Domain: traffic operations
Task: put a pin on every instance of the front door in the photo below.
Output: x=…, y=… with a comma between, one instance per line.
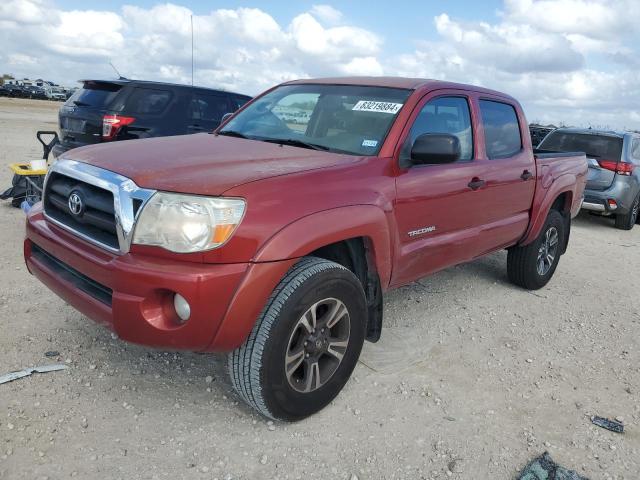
x=440, y=209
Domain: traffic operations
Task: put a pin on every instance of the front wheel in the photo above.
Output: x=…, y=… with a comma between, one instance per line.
x=532, y=266
x=305, y=344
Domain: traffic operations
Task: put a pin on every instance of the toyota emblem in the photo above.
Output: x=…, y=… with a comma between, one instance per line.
x=75, y=203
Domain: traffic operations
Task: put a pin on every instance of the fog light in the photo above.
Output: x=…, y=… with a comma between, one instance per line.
x=183, y=309
x=612, y=204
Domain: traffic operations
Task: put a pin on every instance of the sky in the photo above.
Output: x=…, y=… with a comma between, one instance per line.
x=575, y=62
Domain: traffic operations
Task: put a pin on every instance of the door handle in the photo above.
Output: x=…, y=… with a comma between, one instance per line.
x=526, y=175
x=476, y=183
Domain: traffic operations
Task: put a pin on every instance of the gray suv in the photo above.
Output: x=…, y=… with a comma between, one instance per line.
x=613, y=184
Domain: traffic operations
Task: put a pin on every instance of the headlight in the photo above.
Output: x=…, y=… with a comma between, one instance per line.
x=187, y=223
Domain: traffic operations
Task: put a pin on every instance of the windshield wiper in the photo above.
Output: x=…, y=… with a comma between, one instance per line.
x=81, y=104
x=232, y=133
x=296, y=143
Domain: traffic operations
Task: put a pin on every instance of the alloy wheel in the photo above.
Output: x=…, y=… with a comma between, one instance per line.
x=547, y=251
x=317, y=345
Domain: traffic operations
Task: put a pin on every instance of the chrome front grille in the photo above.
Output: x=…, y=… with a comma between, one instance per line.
x=98, y=205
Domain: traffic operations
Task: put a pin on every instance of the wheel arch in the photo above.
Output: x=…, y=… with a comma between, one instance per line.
x=356, y=237
x=339, y=226
x=561, y=197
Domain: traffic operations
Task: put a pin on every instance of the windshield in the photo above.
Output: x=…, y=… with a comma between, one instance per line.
x=595, y=146
x=339, y=118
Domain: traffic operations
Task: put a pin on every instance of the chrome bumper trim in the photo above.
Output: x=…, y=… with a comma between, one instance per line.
x=593, y=207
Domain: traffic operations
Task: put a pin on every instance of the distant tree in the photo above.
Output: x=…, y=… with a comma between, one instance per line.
x=5, y=76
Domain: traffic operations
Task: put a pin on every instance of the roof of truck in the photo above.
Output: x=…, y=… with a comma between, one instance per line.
x=396, y=82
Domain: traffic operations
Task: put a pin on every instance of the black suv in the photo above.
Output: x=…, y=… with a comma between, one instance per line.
x=109, y=110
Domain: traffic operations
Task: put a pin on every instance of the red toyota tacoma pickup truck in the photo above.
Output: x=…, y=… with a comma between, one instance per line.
x=274, y=237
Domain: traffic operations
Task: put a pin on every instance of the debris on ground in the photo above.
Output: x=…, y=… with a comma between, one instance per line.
x=52, y=353
x=9, y=377
x=612, y=425
x=544, y=468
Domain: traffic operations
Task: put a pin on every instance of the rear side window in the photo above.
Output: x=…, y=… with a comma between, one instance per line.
x=501, y=129
x=209, y=107
x=94, y=94
x=595, y=146
x=147, y=101
x=635, y=150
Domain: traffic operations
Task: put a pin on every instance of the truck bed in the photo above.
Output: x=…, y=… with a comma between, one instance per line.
x=542, y=154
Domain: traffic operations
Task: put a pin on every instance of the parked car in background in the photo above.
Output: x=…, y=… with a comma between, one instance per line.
x=275, y=239
x=111, y=110
x=16, y=91
x=4, y=92
x=613, y=185
x=56, y=93
x=35, y=92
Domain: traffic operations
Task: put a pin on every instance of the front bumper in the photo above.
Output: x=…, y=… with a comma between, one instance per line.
x=132, y=294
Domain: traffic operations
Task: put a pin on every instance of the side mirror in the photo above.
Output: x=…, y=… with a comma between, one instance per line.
x=435, y=148
x=225, y=117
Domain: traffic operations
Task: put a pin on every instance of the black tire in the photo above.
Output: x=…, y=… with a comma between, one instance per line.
x=522, y=262
x=626, y=222
x=257, y=368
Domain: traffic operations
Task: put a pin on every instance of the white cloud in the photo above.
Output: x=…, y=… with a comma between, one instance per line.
x=22, y=11
x=572, y=61
x=326, y=13
x=566, y=60
x=592, y=18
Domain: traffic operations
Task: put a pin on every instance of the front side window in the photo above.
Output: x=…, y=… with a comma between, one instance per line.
x=501, y=129
x=349, y=119
x=443, y=115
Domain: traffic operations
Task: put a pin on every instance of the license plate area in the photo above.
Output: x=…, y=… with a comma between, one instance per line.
x=73, y=125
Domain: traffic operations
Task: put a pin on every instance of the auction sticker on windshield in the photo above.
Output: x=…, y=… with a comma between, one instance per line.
x=371, y=106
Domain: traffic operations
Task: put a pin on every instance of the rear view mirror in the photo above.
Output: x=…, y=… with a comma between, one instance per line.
x=435, y=148
x=226, y=117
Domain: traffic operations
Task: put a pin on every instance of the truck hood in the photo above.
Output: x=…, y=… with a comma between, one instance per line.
x=202, y=164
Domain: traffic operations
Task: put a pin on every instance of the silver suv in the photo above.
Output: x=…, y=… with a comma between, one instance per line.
x=613, y=184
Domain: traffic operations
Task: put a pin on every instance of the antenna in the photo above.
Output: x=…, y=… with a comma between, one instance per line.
x=192, y=50
x=120, y=77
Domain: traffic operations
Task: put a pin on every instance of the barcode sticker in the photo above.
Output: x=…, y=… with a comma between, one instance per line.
x=382, y=107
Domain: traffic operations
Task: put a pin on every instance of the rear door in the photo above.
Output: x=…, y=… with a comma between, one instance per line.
x=150, y=108
x=80, y=118
x=206, y=110
x=509, y=170
x=603, y=153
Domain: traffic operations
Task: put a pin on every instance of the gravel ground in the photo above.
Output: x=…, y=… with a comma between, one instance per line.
x=472, y=378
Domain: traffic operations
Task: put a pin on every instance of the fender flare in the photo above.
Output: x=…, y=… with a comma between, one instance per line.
x=282, y=250
x=563, y=184
x=309, y=233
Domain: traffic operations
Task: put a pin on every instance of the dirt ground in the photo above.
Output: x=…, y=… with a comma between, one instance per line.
x=472, y=378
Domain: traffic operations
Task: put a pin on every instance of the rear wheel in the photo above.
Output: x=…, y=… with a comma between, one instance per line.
x=532, y=266
x=305, y=344
x=626, y=222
